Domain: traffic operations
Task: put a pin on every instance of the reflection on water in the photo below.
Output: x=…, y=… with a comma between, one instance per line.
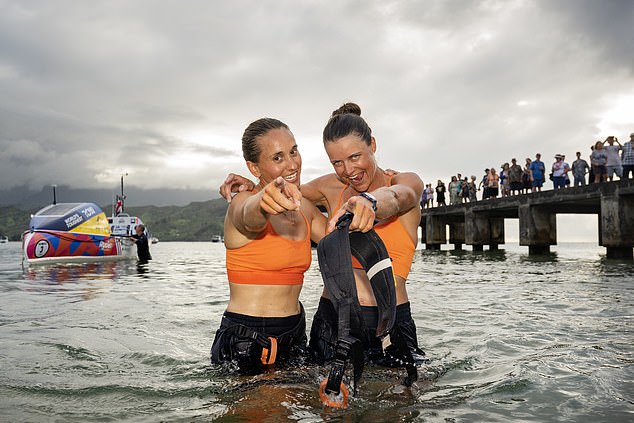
x=142, y=268
x=551, y=257
x=68, y=272
x=511, y=338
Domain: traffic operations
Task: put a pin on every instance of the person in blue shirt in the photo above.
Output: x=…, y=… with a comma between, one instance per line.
x=537, y=173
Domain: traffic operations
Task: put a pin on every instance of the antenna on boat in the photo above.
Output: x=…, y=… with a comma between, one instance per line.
x=54, y=194
x=122, y=195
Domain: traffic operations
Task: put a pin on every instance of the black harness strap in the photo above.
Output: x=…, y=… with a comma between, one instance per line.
x=335, y=264
x=266, y=341
x=369, y=250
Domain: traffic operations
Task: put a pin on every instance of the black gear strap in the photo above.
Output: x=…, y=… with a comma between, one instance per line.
x=335, y=263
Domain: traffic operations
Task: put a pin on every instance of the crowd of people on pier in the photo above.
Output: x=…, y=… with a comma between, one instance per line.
x=608, y=159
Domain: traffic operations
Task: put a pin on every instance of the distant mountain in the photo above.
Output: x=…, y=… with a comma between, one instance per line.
x=197, y=221
x=23, y=197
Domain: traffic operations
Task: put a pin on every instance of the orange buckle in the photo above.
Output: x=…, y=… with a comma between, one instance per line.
x=268, y=357
x=330, y=400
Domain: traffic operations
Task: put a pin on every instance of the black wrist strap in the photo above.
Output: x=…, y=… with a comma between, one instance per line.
x=370, y=198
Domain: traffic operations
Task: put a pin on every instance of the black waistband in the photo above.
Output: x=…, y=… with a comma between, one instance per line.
x=271, y=326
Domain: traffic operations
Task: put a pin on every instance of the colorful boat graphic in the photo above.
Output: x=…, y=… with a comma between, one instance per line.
x=72, y=232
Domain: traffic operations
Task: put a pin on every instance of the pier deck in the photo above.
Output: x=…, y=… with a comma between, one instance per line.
x=482, y=222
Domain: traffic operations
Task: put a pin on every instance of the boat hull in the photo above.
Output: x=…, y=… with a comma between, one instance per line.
x=44, y=246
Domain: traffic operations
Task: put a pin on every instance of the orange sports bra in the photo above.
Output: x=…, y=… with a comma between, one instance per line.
x=398, y=243
x=270, y=259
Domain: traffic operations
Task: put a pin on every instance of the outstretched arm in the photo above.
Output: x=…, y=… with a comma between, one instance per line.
x=400, y=197
x=235, y=183
x=395, y=200
x=250, y=212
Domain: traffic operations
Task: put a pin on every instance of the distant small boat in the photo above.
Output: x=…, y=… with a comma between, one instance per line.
x=3, y=239
x=216, y=238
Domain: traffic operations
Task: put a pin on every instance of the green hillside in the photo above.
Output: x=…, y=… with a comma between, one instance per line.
x=194, y=222
x=14, y=221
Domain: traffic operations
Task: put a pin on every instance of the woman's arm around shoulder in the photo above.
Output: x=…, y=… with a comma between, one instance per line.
x=399, y=198
x=317, y=190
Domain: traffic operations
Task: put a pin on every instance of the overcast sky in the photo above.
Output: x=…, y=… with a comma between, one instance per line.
x=163, y=90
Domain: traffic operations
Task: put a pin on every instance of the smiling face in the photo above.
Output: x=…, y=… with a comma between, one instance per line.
x=279, y=156
x=353, y=161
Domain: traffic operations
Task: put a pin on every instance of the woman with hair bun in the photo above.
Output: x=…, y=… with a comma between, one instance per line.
x=358, y=179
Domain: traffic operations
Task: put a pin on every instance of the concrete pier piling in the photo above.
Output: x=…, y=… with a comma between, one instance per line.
x=616, y=225
x=538, y=228
x=482, y=222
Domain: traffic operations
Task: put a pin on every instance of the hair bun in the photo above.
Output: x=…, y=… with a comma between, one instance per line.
x=351, y=108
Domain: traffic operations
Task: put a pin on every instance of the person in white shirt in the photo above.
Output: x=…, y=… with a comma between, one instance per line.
x=560, y=169
x=614, y=158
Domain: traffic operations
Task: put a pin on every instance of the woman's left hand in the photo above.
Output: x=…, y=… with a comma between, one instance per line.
x=363, y=215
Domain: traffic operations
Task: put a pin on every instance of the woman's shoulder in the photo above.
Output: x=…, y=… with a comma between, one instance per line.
x=410, y=179
x=405, y=176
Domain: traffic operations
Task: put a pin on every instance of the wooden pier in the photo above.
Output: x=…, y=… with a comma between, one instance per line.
x=482, y=222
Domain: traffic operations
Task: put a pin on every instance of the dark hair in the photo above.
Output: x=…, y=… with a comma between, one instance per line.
x=347, y=120
x=250, y=148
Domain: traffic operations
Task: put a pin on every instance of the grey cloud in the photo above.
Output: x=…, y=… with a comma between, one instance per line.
x=604, y=25
x=113, y=84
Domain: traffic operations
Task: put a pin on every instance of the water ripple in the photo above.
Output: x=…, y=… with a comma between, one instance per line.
x=511, y=337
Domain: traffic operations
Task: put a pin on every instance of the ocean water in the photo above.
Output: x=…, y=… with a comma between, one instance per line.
x=510, y=338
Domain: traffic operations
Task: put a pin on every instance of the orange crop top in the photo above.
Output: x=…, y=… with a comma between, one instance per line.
x=270, y=259
x=398, y=243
